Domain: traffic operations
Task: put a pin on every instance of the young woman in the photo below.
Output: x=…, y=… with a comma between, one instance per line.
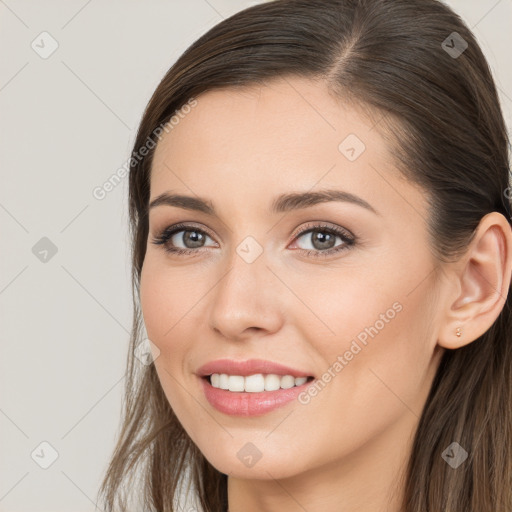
x=322, y=257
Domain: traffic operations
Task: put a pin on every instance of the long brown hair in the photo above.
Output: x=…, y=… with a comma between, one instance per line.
x=418, y=65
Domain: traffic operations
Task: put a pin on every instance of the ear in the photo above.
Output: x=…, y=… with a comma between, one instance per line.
x=481, y=282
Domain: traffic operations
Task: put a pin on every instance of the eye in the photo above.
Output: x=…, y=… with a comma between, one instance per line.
x=321, y=240
x=191, y=237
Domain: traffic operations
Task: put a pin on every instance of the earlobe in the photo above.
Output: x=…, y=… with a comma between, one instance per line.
x=482, y=280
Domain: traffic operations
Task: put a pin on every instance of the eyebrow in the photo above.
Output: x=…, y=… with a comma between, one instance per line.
x=281, y=204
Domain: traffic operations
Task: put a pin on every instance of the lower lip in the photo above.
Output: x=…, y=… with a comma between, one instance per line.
x=249, y=404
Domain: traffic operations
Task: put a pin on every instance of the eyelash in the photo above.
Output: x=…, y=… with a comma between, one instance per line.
x=348, y=239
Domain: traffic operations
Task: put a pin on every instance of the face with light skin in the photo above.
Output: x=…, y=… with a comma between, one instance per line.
x=302, y=301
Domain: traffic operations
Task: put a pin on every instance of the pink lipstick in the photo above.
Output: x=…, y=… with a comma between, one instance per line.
x=251, y=388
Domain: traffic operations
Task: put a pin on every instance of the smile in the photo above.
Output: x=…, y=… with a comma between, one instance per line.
x=236, y=401
x=255, y=383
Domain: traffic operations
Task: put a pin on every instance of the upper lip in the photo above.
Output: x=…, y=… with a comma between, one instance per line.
x=248, y=367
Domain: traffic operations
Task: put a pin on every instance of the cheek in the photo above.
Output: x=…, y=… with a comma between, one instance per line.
x=161, y=307
x=154, y=303
x=167, y=300
x=374, y=338
x=171, y=301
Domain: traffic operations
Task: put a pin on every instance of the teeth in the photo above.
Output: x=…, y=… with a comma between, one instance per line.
x=272, y=382
x=235, y=383
x=255, y=383
x=300, y=380
x=223, y=381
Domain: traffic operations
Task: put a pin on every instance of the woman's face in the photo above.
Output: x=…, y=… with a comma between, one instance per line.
x=349, y=303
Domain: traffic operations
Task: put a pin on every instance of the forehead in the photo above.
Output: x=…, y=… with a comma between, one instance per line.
x=258, y=113
x=250, y=144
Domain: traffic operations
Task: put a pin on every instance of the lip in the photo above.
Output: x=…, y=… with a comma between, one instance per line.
x=249, y=404
x=248, y=367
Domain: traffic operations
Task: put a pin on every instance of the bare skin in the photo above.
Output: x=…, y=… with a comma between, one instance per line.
x=345, y=449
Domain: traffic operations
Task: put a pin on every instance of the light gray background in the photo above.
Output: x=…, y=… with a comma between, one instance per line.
x=67, y=124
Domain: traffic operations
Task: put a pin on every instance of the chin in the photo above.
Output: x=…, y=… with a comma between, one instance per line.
x=247, y=460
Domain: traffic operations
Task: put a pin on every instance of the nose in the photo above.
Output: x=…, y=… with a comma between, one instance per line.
x=246, y=300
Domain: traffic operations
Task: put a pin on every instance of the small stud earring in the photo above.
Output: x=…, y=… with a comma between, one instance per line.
x=458, y=333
